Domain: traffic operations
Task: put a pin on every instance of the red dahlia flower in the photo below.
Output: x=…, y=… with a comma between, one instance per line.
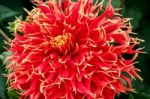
x=72, y=50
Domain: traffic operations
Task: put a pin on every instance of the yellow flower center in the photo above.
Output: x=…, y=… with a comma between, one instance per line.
x=60, y=40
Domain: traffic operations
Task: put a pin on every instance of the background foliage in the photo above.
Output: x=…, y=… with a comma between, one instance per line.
x=139, y=10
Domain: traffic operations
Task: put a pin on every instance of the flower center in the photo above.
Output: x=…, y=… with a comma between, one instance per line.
x=60, y=40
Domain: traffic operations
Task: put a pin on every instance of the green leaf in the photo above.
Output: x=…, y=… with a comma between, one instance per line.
x=116, y=3
x=5, y=12
x=3, y=89
x=13, y=94
x=135, y=14
x=4, y=55
x=130, y=96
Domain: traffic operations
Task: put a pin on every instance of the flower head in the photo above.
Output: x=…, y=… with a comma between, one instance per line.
x=72, y=50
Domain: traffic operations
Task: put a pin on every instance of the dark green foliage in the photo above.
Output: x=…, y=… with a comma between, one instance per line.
x=3, y=91
x=9, y=9
x=138, y=10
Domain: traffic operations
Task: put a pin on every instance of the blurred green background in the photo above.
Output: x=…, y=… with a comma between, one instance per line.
x=139, y=10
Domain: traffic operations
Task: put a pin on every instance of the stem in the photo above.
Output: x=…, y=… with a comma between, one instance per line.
x=5, y=36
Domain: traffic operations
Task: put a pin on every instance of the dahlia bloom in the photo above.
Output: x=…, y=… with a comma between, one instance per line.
x=72, y=50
